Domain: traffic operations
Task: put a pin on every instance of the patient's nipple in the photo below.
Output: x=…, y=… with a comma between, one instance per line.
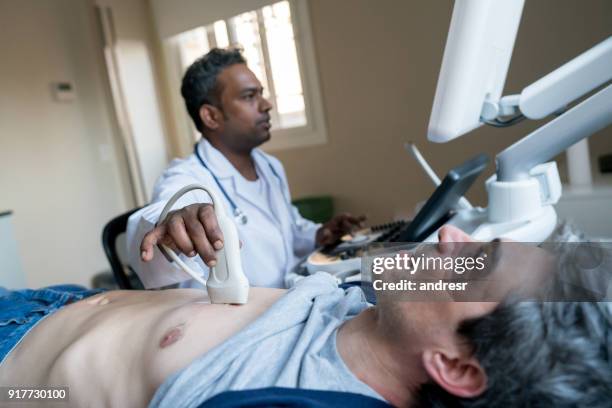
x=172, y=336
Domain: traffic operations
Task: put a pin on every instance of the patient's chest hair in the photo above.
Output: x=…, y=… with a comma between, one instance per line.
x=172, y=335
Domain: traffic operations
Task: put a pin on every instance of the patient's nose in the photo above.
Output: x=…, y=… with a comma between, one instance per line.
x=449, y=233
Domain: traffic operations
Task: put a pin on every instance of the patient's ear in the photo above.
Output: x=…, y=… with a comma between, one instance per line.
x=460, y=376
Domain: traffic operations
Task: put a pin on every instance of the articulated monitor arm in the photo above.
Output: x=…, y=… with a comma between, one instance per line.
x=525, y=187
x=553, y=93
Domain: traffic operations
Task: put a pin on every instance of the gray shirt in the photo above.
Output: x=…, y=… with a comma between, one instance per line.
x=293, y=344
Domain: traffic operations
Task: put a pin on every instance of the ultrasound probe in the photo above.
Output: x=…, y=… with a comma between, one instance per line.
x=227, y=282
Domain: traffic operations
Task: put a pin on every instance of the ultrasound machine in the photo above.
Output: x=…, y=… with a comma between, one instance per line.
x=577, y=97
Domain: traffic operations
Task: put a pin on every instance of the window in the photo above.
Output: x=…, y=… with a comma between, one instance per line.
x=279, y=55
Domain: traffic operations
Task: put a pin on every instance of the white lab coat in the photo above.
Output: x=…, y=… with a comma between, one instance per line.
x=274, y=238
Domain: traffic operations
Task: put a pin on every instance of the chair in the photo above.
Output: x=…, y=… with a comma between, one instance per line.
x=124, y=275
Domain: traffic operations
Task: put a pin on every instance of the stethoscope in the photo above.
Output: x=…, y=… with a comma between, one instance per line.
x=239, y=215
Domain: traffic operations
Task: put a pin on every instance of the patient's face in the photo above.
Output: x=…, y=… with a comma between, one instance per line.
x=511, y=267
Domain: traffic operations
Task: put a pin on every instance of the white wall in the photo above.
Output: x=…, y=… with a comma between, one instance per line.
x=58, y=167
x=139, y=82
x=11, y=275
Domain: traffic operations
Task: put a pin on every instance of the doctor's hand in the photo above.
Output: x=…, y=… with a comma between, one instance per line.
x=334, y=229
x=191, y=230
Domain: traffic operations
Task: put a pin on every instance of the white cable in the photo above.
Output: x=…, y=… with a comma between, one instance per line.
x=414, y=151
x=168, y=251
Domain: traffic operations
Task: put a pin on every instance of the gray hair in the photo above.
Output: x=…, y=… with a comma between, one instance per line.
x=538, y=353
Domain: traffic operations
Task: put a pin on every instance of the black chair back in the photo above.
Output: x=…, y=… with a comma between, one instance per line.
x=112, y=230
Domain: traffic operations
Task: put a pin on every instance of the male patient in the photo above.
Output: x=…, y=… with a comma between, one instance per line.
x=171, y=348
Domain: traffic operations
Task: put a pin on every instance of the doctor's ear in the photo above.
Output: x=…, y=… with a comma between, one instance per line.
x=458, y=375
x=211, y=116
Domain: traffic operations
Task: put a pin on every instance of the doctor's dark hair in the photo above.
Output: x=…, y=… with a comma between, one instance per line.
x=200, y=86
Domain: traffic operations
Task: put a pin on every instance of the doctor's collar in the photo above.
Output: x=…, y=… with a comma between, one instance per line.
x=221, y=166
x=215, y=160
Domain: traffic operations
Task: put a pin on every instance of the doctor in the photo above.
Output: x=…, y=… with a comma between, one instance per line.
x=225, y=101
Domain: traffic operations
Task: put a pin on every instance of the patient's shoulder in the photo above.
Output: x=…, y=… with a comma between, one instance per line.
x=314, y=285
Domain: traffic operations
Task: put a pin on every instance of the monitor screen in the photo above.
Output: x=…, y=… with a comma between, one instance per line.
x=440, y=206
x=475, y=63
